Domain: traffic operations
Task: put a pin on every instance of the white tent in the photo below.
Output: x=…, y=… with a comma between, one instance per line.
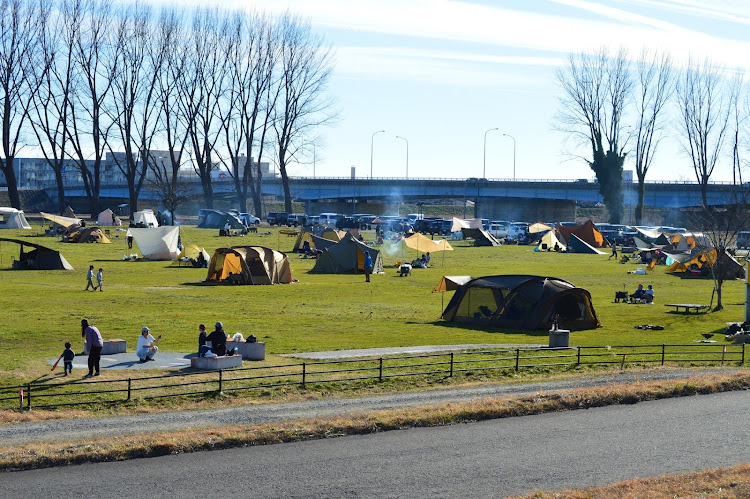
x=11, y=218
x=145, y=217
x=159, y=243
x=107, y=217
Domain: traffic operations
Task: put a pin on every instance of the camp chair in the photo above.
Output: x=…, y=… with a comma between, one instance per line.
x=651, y=265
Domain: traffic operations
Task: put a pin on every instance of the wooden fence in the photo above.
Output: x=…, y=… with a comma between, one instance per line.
x=185, y=384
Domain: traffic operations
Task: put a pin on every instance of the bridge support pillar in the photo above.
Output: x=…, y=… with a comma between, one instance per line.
x=525, y=209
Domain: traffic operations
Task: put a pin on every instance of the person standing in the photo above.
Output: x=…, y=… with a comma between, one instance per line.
x=130, y=239
x=94, y=342
x=99, y=279
x=67, y=356
x=218, y=339
x=614, y=251
x=367, y=267
x=146, y=347
x=90, y=279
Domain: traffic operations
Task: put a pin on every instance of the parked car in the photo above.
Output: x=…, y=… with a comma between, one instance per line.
x=313, y=220
x=517, y=232
x=429, y=225
x=249, y=219
x=364, y=220
x=296, y=219
x=346, y=223
x=499, y=229
x=743, y=240
x=276, y=217
x=329, y=219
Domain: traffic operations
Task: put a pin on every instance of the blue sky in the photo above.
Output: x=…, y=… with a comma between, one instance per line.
x=440, y=73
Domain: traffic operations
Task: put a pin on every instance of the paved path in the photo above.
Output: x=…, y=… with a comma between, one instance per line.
x=495, y=458
x=129, y=361
x=82, y=428
x=377, y=352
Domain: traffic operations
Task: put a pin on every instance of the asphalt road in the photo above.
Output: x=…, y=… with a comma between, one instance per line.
x=487, y=459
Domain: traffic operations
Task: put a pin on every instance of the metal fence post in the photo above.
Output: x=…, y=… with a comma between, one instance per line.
x=129, y=381
x=221, y=380
x=380, y=370
x=28, y=396
x=451, y=374
x=518, y=354
x=663, y=347
x=742, y=362
x=304, y=373
x=578, y=357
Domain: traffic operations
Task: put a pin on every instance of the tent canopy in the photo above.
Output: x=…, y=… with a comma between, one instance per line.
x=468, y=223
x=347, y=257
x=146, y=218
x=158, y=243
x=481, y=237
x=578, y=245
x=522, y=302
x=420, y=242
x=249, y=265
x=60, y=220
x=192, y=250
x=38, y=258
x=451, y=283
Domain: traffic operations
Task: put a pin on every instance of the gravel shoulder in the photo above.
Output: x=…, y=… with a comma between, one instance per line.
x=83, y=428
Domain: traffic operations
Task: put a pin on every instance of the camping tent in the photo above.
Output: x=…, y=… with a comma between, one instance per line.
x=215, y=219
x=578, y=245
x=701, y=261
x=65, y=222
x=249, y=265
x=450, y=283
x=11, y=218
x=192, y=250
x=539, y=227
x=107, y=217
x=145, y=218
x=422, y=243
x=347, y=257
x=550, y=242
x=522, y=302
x=77, y=234
x=469, y=223
x=481, y=237
x=39, y=258
x=587, y=232
x=158, y=243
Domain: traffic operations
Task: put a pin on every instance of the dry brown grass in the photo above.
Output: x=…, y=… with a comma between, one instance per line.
x=48, y=454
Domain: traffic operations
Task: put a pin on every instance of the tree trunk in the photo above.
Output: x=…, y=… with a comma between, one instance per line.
x=60, y=190
x=10, y=179
x=641, y=200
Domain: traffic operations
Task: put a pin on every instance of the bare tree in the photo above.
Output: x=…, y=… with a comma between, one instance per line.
x=20, y=23
x=171, y=189
x=51, y=102
x=654, y=89
x=96, y=65
x=738, y=118
x=135, y=106
x=596, y=89
x=302, y=106
x=704, y=111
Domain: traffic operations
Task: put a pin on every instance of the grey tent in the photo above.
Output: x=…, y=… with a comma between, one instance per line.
x=347, y=257
x=215, y=219
x=522, y=302
x=481, y=237
x=38, y=257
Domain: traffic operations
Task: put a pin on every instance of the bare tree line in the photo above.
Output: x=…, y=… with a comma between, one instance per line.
x=619, y=107
x=83, y=78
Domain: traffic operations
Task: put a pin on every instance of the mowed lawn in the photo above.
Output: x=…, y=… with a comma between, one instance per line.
x=40, y=310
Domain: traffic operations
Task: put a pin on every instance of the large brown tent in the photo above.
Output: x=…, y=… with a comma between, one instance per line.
x=85, y=235
x=522, y=302
x=249, y=265
x=586, y=232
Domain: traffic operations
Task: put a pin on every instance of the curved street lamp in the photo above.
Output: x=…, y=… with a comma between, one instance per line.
x=372, y=144
x=484, y=164
x=407, y=154
x=514, y=154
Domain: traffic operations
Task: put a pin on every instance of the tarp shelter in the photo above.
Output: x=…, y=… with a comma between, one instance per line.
x=315, y=242
x=550, y=242
x=11, y=218
x=587, y=232
x=145, y=218
x=702, y=261
x=65, y=222
x=68, y=212
x=450, y=283
x=192, y=250
x=578, y=245
x=522, y=302
x=77, y=234
x=158, y=243
x=420, y=242
x=648, y=235
x=347, y=257
x=249, y=265
x=539, y=227
x=481, y=237
x=38, y=258
x=108, y=217
x=468, y=223
x=215, y=219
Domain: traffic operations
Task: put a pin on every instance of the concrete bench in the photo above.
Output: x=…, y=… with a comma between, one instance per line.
x=214, y=363
x=249, y=351
x=110, y=347
x=697, y=307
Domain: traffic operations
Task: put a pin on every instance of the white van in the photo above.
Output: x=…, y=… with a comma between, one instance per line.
x=329, y=219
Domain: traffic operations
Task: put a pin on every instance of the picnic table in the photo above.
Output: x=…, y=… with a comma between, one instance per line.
x=687, y=306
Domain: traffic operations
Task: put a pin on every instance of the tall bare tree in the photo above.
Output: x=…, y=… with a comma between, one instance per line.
x=51, y=102
x=302, y=106
x=96, y=64
x=20, y=24
x=704, y=111
x=596, y=89
x=653, y=91
x=135, y=107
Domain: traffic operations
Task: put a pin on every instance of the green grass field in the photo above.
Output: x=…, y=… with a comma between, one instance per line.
x=40, y=310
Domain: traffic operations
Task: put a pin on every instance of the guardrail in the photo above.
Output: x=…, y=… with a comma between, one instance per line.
x=186, y=384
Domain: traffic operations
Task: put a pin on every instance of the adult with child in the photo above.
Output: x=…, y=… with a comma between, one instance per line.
x=94, y=342
x=638, y=294
x=146, y=347
x=67, y=357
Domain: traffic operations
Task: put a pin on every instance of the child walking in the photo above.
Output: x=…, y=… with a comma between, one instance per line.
x=68, y=355
x=90, y=279
x=99, y=279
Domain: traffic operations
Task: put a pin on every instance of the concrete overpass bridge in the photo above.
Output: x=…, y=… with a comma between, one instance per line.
x=536, y=199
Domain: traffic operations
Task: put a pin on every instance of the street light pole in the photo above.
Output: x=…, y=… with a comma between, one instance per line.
x=372, y=145
x=484, y=167
x=514, y=154
x=313, y=144
x=407, y=154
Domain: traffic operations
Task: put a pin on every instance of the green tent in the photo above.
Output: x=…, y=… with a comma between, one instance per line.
x=578, y=245
x=347, y=257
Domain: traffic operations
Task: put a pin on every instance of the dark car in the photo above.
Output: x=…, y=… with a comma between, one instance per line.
x=276, y=217
x=295, y=220
x=429, y=225
x=346, y=223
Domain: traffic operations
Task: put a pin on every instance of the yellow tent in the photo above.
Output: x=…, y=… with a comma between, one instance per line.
x=192, y=250
x=699, y=259
x=422, y=243
x=549, y=242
